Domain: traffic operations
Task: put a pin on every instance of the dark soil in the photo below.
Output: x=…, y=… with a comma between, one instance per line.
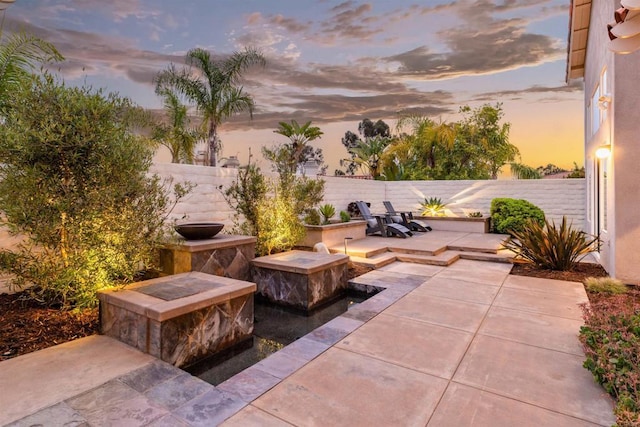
x=578, y=274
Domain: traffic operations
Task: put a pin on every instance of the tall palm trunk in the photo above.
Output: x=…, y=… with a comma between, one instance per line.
x=213, y=144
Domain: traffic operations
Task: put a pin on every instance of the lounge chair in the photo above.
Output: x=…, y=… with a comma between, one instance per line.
x=406, y=219
x=381, y=224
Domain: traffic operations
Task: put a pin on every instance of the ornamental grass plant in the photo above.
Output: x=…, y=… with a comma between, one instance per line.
x=549, y=246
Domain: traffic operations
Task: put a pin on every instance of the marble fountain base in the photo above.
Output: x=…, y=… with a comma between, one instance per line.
x=179, y=319
x=224, y=255
x=300, y=279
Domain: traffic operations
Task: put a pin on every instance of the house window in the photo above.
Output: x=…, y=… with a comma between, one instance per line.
x=595, y=111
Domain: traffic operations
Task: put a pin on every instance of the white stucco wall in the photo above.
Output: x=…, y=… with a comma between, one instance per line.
x=556, y=197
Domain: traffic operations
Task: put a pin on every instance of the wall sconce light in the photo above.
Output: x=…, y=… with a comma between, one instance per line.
x=603, y=151
x=604, y=102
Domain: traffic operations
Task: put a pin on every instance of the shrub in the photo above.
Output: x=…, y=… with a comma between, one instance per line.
x=327, y=211
x=344, y=216
x=74, y=180
x=605, y=285
x=433, y=206
x=510, y=215
x=271, y=209
x=551, y=247
x=312, y=217
x=476, y=214
x=278, y=225
x=244, y=196
x=611, y=339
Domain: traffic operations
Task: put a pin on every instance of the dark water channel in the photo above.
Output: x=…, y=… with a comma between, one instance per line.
x=274, y=328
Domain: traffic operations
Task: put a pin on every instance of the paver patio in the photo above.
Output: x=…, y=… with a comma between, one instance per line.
x=464, y=345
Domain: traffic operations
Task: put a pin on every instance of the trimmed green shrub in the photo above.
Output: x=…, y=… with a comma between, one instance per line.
x=312, y=217
x=344, y=216
x=511, y=215
x=551, y=247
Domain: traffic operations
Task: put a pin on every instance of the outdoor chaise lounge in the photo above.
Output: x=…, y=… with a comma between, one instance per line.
x=406, y=219
x=381, y=223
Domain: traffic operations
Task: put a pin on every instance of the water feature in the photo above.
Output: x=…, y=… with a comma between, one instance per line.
x=274, y=328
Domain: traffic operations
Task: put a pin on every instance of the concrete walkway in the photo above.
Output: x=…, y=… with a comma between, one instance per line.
x=463, y=345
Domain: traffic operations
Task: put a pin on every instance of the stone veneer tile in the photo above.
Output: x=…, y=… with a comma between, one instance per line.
x=209, y=409
x=60, y=414
x=115, y=403
x=177, y=391
x=249, y=384
x=305, y=349
x=168, y=421
x=280, y=364
x=148, y=376
x=252, y=416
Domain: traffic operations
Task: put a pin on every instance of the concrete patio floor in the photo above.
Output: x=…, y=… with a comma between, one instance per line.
x=462, y=345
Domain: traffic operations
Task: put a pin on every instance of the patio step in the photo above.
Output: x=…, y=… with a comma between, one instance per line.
x=375, y=262
x=483, y=256
x=411, y=251
x=443, y=259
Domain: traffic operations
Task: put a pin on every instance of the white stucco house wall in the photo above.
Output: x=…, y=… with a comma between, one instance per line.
x=612, y=120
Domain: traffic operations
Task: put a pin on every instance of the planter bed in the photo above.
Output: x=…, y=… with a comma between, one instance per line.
x=334, y=234
x=462, y=224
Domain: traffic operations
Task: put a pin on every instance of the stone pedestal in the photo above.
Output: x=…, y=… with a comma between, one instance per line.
x=224, y=255
x=179, y=319
x=301, y=279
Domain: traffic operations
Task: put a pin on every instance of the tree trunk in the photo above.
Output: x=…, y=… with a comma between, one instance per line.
x=213, y=144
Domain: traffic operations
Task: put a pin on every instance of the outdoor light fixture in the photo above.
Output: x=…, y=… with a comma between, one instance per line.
x=604, y=102
x=603, y=151
x=345, y=244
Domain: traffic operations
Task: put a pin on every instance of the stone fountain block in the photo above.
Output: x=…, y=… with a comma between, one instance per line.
x=301, y=279
x=224, y=255
x=180, y=319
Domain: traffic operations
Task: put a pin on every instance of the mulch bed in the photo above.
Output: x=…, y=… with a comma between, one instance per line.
x=579, y=273
x=26, y=326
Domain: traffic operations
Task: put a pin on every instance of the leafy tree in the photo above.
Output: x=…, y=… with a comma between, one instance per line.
x=577, y=172
x=214, y=88
x=19, y=54
x=481, y=126
x=369, y=129
x=74, y=181
x=366, y=129
x=176, y=135
x=475, y=147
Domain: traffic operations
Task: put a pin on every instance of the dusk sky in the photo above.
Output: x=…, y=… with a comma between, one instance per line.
x=336, y=62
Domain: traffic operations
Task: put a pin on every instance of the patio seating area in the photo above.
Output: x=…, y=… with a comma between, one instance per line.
x=455, y=343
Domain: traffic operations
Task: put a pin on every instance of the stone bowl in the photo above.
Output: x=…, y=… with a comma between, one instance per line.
x=199, y=230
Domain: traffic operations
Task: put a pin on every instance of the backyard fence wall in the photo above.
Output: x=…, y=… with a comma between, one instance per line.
x=556, y=197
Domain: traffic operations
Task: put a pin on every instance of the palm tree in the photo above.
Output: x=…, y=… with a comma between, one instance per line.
x=176, y=136
x=428, y=135
x=298, y=151
x=214, y=89
x=522, y=171
x=19, y=54
x=368, y=153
